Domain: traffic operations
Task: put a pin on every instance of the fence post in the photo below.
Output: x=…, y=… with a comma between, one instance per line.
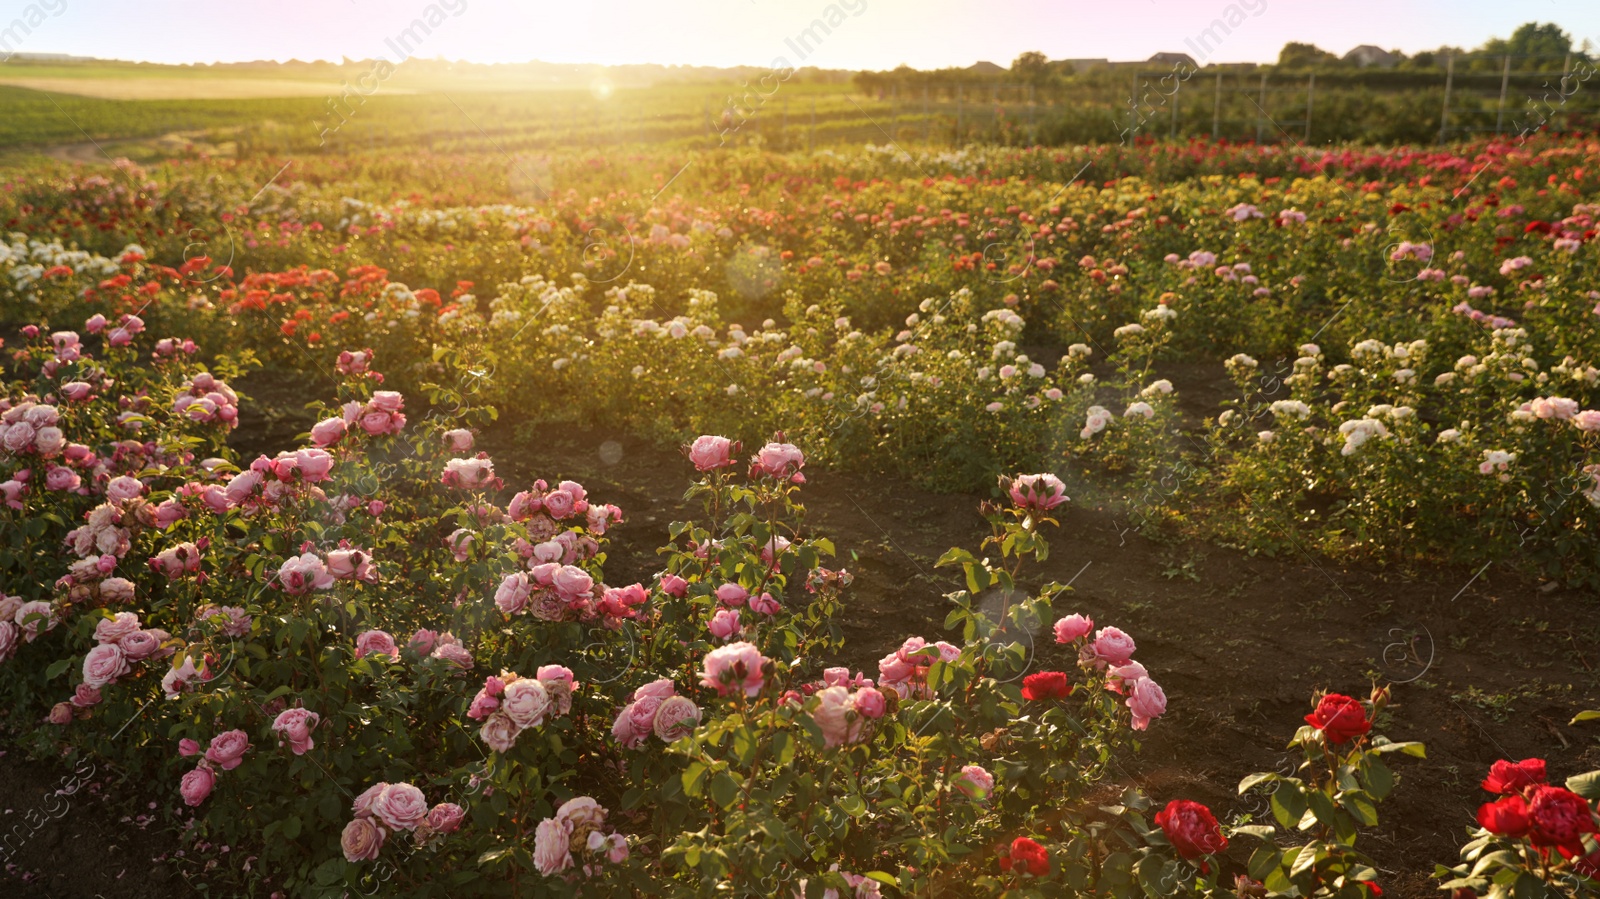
x=1449, y=81
x=1172, y=132
x=1505, y=80
x=1216, y=107
x=927, y=115
x=959, y=104
x=1262, y=106
x=1311, y=94
x=1033, y=130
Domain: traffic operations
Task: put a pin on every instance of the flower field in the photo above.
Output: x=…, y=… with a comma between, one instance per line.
x=367, y=633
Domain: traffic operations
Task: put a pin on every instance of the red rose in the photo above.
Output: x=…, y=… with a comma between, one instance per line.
x=1514, y=777
x=1046, y=685
x=1027, y=857
x=1559, y=817
x=1506, y=817
x=1340, y=718
x=1191, y=829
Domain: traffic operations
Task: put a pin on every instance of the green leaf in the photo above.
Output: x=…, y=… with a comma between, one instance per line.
x=291, y=827
x=881, y=877
x=1585, y=785
x=724, y=789
x=1380, y=781
x=1361, y=807
x=694, y=779
x=1259, y=831
x=1414, y=749
x=56, y=668
x=1256, y=780
x=1288, y=804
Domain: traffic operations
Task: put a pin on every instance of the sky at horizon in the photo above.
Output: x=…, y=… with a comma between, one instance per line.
x=856, y=34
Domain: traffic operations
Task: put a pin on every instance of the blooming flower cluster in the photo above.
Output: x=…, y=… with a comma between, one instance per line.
x=656, y=709
x=386, y=808
x=509, y=703
x=574, y=839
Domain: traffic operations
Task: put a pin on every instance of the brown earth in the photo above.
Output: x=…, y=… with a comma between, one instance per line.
x=1484, y=665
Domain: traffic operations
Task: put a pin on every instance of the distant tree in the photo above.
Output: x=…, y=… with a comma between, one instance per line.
x=1032, y=67
x=1296, y=55
x=1532, y=39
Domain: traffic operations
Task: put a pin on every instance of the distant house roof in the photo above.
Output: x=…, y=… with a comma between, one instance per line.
x=985, y=67
x=1368, y=55
x=1172, y=59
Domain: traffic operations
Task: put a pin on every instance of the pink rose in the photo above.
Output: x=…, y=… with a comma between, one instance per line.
x=1073, y=627
x=400, y=806
x=837, y=718
x=676, y=718
x=870, y=702
x=737, y=666
x=294, y=727
x=123, y=488
x=422, y=641
x=446, y=817
x=525, y=702
x=60, y=713
x=764, y=604
x=458, y=440
x=387, y=401
x=672, y=585
x=1112, y=647
x=347, y=564
x=169, y=512
x=660, y=688
x=732, y=595
x=113, y=629
x=62, y=479
x=188, y=748
x=512, y=595
x=116, y=590
x=499, y=732
x=551, y=847
x=227, y=749
x=362, y=806
x=376, y=642
x=361, y=840
x=782, y=461
x=1146, y=700
x=643, y=713
x=558, y=504
x=303, y=574
x=329, y=431
x=725, y=624
x=624, y=731
x=104, y=664
x=84, y=696
x=1121, y=675
x=313, y=464
x=974, y=782
x=197, y=784
x=454, y=654
x=1038, y=492
x=572, y=582
x=140, y=645
x=1587, y=420
x=709, y=453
